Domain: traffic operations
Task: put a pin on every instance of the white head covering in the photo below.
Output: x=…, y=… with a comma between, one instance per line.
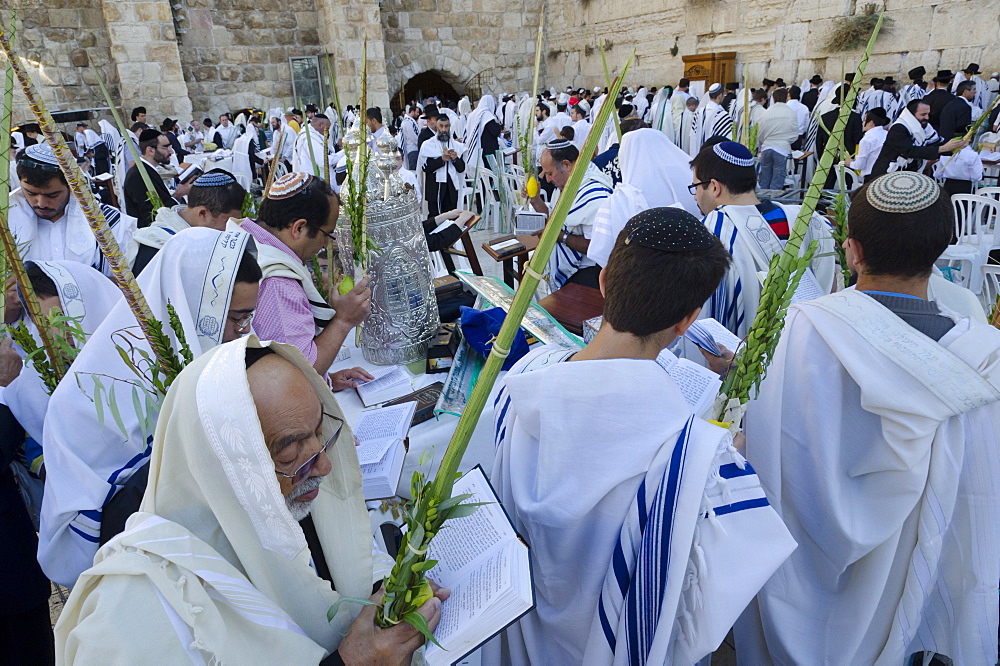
x=655, y=173
x=88, y=454
x=465, y=106
x=213, y=512
x=84, y=294
x=112, y=137
x=485, y=112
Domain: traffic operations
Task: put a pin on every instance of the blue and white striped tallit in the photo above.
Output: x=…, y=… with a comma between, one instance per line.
x=698, y=543
x=595, y=188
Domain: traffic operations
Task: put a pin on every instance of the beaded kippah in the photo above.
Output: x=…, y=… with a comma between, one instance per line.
x=734, y=153
x=715, y=88
x=41, y=152
x=558, y=144
x=903, y=192
x=668, y=229
x=289, y=185
x=215, y=178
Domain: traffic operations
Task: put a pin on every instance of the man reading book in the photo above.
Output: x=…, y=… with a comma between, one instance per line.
x=637, y=512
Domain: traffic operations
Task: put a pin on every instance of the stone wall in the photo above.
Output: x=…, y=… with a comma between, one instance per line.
x=235, y=53
x=344, y=27
x=775, y=38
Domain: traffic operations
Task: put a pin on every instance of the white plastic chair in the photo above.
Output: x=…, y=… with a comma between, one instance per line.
x=976, y=217
x=991, y=286
x=991, y=192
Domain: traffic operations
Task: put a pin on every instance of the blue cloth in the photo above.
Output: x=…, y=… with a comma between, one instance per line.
x=480, y=328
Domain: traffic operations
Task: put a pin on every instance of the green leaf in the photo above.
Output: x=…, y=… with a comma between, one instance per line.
x=420, y=624
x=463, y=510
x=335, y=608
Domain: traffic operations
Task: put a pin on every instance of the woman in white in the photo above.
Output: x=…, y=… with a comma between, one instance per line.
x=655, y=173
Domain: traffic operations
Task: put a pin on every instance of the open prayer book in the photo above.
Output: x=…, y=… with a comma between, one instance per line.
x=807, y=290
x=698, y=385
x=389, y=384
x=486, y=565
x=380, y=453
x=709, y=334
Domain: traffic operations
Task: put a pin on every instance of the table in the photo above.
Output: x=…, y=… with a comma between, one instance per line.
x=513, y=272
x=428, y=440
x=572, y=304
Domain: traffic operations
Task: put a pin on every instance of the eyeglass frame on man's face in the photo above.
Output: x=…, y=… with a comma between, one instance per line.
x=243, y=323
x=307, y=466
x=693, y=187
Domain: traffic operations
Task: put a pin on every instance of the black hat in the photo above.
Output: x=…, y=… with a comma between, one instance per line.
x=889, y=81
x=767, y=82
x=876, y=81
x=149, y=135
x=780, y=82
x=312, y=107
x=31, y=127
x=82, y=125
x=944, y=76
x=916, y=73
x=732, y=86
x=849, y=77
x=816, y=80
x=973, y=68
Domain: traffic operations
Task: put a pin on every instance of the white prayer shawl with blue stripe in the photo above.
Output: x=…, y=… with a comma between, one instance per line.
x=890, y=486
x=564, y=261
x=749, y=238
x=167, y=224
x=699, y=541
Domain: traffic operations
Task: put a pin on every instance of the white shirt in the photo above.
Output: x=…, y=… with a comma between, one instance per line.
x=967, y=165
x=801, y=112
x=868, y=149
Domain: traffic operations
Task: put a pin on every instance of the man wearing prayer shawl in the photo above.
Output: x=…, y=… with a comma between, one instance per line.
x=569, y=260
x=47, y=221
x=711, y=119
x=294, y=222
x=660, y=113
x=888, y=481
x=253, y=526
x=753, y=231
x=912, y=140
x=73, y=290
x=581, y=126
x=92, y=462
x=312, y=132
x=441, y=161
x=215, y=197
x=649, y=532
x=482, y=132
x=225, y=132
x=655, y=173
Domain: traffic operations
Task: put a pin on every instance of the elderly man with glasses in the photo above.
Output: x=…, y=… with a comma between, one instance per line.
x=296, y=220
x=252, y=530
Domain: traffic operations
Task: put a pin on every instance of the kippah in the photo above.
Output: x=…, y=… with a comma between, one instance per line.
x=215, y=178
x=148, y=135
x=734, y=153
x=341, y=165
x=41, y=152
x=289, y=185
x=625, y=110
x=903, y=192
x=715, y=87
x=558, y=144
x=668, y=229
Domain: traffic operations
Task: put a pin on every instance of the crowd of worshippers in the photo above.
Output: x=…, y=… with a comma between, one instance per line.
x=854, y=519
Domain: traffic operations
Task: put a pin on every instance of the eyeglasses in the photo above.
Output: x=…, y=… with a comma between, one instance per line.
x=693, y=187
x=242, y=322
x=303, y=470
x=325, y=233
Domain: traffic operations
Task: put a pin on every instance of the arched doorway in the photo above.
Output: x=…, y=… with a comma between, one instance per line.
x=425, y=84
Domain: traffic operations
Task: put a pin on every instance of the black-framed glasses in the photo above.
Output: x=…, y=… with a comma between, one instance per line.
x=302, y=471
x=693, y=187
x=324, y=232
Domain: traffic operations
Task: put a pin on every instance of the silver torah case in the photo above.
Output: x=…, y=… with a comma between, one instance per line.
x=404, y=314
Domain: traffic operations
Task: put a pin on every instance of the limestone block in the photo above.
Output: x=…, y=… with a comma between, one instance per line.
x=205, y=73
x=791, y=42
x=87, y=39
x=512, y=20
x=954, y=24
x=234, y=55
x=209, y=56
x=60, y=35
x=173, y=89
x=309, y=37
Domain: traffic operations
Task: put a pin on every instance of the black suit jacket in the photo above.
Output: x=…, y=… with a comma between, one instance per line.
x=937, y=99
x=136, y=202
x=810, y=98
x=899, y=143
x=955, y=119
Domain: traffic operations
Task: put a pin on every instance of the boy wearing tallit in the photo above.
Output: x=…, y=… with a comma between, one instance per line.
x=875, y=436
x=215, y=197
x=649, y=533
x=752, y=230
x=252, y=527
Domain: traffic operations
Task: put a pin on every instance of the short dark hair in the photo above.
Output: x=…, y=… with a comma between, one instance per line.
x=759, y=94
x=632, y=124
x=877, y=116
x=545, y=108
x=638, y=306
x=36, y=176
x=136, y=111
x=138, y=126
x=794, y=92
x=207, y=122
x=709, y=166
x=903, y=244
x=683, y=83
x=43, y=285
x=567, y=153
x=312, y=204
x=374, y=113
x=217, y=199
x=965, y=85
x=912, y=105
x=568, y=132
x=248, y=270
x=781, y=95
